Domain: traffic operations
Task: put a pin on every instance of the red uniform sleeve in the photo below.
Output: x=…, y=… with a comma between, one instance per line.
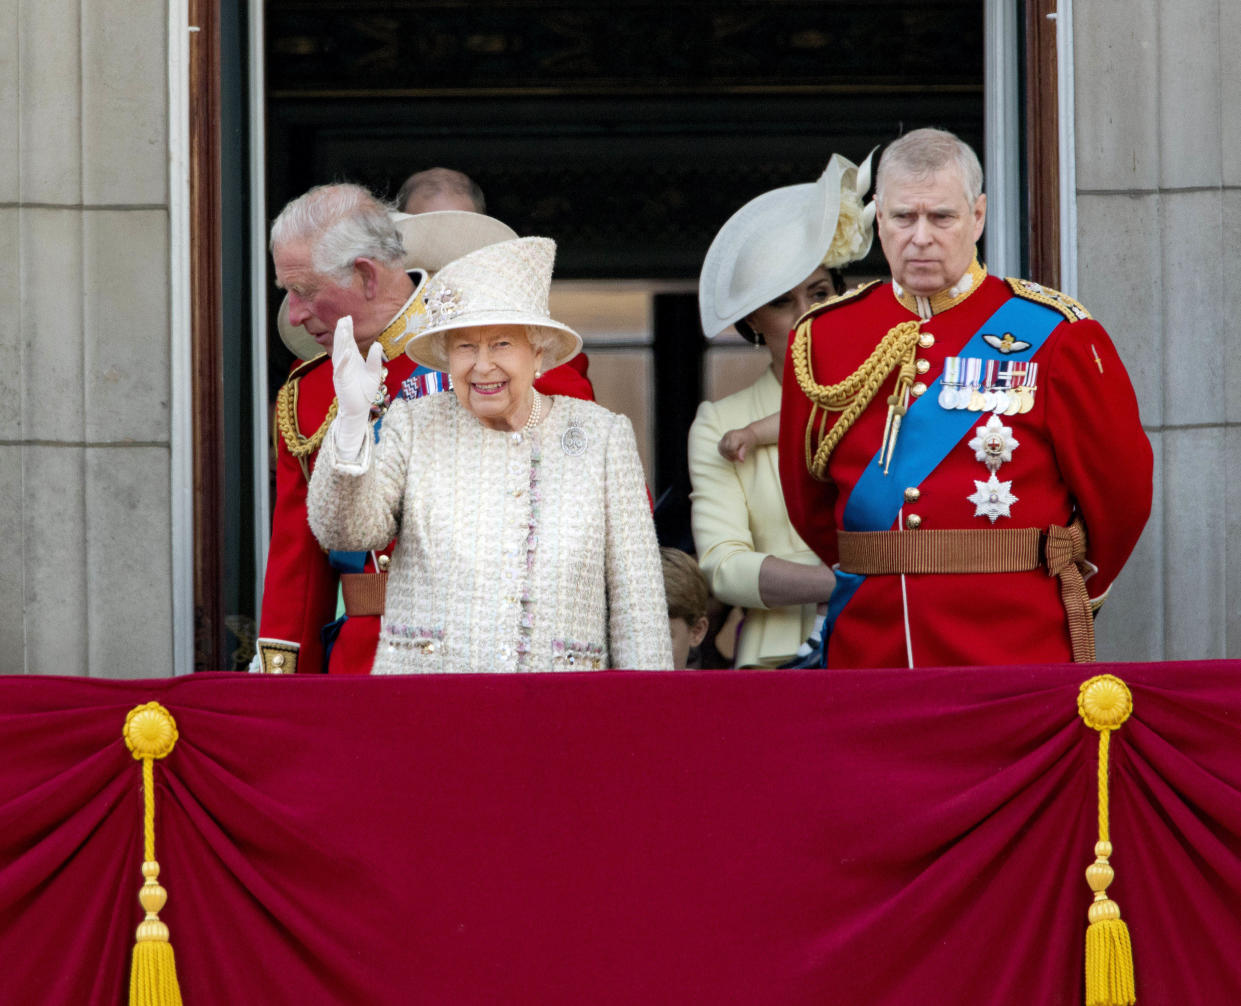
x=299, y=586
x=811, y=504
x=568, y=379
x=1103, y=453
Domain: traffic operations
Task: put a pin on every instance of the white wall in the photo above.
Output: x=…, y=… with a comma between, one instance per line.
x=85, y=571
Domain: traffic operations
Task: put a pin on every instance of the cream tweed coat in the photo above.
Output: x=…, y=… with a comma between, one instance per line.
x=515, y=552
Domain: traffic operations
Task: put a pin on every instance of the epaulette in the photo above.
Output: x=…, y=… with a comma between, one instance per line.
x=300, y=368
x=301, y=447
x=841, y=298
x=1045, y=295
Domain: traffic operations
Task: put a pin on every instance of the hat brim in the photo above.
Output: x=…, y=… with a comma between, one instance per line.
x=793, y=226
x=431, y=241
x=422, y=348
x=434, y=239
x=299, y=341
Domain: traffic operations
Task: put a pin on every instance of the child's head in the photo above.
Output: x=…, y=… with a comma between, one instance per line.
x=687, y=592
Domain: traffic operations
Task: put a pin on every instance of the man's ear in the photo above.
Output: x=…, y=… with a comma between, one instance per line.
x=369, y=271
x=980, y=215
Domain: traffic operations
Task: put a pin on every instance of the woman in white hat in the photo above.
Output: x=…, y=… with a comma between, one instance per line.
x=524, y=538
x=773, y=258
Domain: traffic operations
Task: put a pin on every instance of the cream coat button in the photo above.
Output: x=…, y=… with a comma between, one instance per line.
x=918, y=390
x=912, y=495
x=913, y=522
x=923, y=366
x=926, y=340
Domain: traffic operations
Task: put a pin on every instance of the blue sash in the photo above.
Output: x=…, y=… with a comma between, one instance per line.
x=929, y=432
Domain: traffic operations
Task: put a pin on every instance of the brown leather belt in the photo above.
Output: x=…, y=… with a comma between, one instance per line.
x=1062, y=550
x=364, y=593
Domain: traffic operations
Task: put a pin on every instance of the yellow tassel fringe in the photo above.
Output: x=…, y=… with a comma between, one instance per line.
x=1104, y=703
x=150, y=732
x=1109, y=964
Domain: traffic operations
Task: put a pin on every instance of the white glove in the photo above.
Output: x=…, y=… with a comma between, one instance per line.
x=356, y=382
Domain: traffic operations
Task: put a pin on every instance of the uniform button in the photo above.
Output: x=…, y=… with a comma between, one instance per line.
x=926, y=340
x=912, y=495
x=923, y=366
x=384, y=561
x=918, y=390
x=277, y=663
x=913, y=522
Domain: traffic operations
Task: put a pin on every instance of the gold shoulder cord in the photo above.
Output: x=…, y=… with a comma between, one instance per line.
x=850, y=396
x=286, y=421
x=1073, y=310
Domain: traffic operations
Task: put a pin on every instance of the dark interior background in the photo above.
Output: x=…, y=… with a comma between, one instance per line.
x=627, y=132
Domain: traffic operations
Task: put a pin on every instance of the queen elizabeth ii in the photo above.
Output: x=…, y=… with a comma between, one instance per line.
x=524, y=538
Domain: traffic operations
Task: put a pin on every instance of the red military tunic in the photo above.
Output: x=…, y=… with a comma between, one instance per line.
x=301, y=585
x=1077, y=450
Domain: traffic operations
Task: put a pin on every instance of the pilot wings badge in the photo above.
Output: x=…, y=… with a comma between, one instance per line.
x=1008, y=343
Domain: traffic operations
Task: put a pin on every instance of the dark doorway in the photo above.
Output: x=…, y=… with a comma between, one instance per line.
x=629, y=133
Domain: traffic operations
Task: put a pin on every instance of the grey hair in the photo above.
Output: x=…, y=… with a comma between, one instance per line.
x=343, y=222
x=541, y=338
x=922, y=153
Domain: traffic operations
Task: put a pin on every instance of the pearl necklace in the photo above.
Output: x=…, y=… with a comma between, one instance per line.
x=536, y=413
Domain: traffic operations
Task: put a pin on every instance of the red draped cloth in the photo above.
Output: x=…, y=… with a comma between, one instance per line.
x=776, y=838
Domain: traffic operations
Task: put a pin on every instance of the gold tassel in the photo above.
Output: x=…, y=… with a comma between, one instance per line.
x=1104, y=703
x=150, y=733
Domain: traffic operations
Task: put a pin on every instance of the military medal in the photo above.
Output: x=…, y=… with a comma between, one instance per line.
x=381, y=399
x=419, y=385
x=989, y=399
x=993, y=444
x=1028, y=388
x=993, y=499
x=969, y=397
x=952, y=381
x=1013, y=374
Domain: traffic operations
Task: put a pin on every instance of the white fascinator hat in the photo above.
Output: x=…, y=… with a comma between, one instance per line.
x=502, y=284
x=777, y=239
x=431, y=241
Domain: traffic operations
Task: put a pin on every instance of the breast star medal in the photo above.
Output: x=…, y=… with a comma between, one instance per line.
x=994, y=444
x=993, y=499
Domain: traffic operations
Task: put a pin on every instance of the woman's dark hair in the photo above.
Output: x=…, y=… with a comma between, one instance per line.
x=748, y=332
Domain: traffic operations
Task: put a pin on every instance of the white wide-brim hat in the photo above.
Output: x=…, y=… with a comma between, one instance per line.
x=502, y=284
x=776, y=240
x=431, y=241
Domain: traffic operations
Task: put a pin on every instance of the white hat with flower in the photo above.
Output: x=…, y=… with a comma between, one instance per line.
x=779, y=238
x=503, y=284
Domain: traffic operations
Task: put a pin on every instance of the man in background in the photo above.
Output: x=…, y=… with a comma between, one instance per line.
x=440, y=189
